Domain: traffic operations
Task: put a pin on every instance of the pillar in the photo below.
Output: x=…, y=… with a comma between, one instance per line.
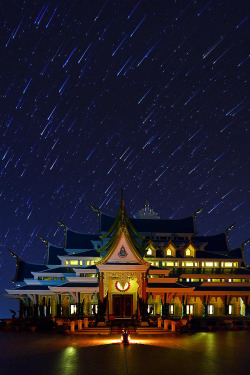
x=48, y=307
x=72, y=326
x=59, y=305
x=86, y=322
x=166, y=308
x=166, y=323
x=78, y=306
x=173, y=326
x=29, y=310
x=101, y=287
x=35, y=306
x=144, y=285
x=79, y=324
x=205, y=309
x=247, y=309
x=21, y=309
x=226, y=308
x=159, y=322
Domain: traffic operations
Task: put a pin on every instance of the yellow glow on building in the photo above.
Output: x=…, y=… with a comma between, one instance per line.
x=74, y=262
x=168, y=264
x=229, y=264
x=187, y=264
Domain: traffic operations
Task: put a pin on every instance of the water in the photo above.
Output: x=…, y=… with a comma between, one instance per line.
x=200, y=353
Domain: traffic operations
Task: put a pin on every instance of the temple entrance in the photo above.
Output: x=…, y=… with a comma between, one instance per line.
x=123, y=305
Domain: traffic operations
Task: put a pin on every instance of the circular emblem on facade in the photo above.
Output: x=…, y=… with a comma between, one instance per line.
x=122, y=253
x=122, y=288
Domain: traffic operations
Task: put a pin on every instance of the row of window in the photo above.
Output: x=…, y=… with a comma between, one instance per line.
x=88, y=275
x=76, y=262
x=171, y=253
x=215, y=280
x=188, y=280
x=46, y=278
x=93, y=307
x=194, y=264
x=189, y=309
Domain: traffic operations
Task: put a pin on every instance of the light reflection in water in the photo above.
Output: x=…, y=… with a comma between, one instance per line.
x=69, y=361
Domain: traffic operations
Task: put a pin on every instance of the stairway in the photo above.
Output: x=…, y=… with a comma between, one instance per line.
x=150, y=330
x=94, y=331
x=117, y=327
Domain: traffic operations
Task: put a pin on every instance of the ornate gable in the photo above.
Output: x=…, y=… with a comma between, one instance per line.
x=122, y=250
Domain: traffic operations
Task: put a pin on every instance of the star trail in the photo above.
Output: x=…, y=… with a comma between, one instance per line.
x=151, y=96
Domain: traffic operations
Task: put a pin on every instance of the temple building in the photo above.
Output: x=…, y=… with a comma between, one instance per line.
x=136, y=268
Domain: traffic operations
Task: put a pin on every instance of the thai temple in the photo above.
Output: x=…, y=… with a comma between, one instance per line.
x=136, y=268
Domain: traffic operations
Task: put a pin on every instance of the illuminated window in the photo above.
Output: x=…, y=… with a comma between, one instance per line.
x=188, y=252
x=235, y=264
x=230, y=309
x=92, y=262
x=47, y=278
x=188, y=264
x=169, y=264
x=72, y=309
x=195, y=280
x=209, y=264
x=94, y=309
x=66, y=262
x=169, y=252
x=209, y=280
x=227, y=264
x=80, y=262
x=216, y=280
x=176, y=264
x=74, y=262
x=149, y=252
x=236, y=280
x=90, y=275
x=210, y=309
x=62, y=278
x=189, y=309
x=151, y=309
x=88, y=263
x=229, y=280
x=54, y=278
x=171, y=309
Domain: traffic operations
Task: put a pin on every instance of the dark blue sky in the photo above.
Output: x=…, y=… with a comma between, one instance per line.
x=98, y=95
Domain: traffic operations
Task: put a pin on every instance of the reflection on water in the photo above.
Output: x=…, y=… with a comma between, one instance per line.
x=68, y=361
x=198, y=353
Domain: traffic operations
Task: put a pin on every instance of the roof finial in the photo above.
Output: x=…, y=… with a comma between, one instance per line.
x=43, y=239
x=14, y=254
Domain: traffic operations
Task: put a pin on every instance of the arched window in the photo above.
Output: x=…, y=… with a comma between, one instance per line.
x=188, y=253
x=169, y=252
x=149, y=252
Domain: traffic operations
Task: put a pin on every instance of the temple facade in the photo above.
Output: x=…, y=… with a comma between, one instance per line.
x=136, y=268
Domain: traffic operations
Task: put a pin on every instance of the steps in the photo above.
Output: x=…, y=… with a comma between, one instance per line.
x=94, y=331
x=116, y=330
x=150, y=331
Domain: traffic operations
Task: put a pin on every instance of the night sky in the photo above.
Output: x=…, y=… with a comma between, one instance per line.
x=150, y=96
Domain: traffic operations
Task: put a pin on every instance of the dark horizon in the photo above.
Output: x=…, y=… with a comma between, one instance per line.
x=102, y=95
